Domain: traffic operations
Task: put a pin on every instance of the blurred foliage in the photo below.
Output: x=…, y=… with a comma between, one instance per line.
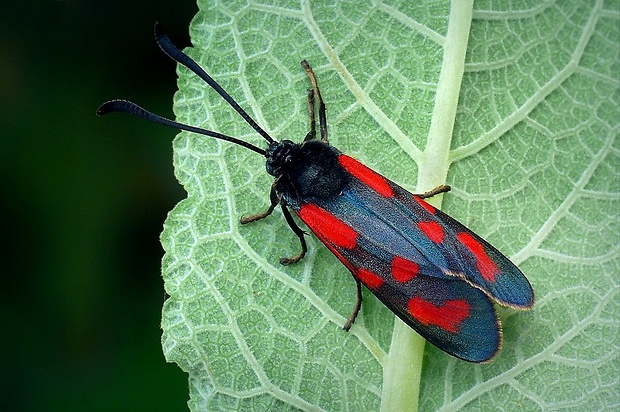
x=84, y=199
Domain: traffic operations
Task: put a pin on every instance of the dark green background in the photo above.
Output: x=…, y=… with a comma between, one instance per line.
x=83, y=202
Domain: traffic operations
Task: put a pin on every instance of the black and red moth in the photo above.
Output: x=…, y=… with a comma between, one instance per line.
x=436, y=275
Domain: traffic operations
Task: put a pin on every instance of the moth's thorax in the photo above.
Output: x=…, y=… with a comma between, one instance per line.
x=305, y=172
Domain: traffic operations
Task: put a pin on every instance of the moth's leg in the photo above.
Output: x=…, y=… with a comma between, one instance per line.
x=300, y=234
x=317, y=96
x=312, y=133
x=274, y=202
x=435, y=191
x=356, y=308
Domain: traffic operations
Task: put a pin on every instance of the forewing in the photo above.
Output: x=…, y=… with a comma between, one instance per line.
x=468, y=255
x=446, y=311
x=423, y=234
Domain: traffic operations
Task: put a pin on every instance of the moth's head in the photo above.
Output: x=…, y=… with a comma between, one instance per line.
x=279, y=156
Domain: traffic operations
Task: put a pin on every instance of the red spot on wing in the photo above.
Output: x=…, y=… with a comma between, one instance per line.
x=448, y=316
x=328, y=226
x=487, y=268
x=365, y=174
x=404, y=270
x=424, y=204
x=368, y=278
x=433, y=230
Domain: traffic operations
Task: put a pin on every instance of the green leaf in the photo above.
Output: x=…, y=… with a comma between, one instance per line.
x=524, y=126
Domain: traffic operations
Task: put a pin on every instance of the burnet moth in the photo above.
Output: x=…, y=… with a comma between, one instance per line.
x=436, y=275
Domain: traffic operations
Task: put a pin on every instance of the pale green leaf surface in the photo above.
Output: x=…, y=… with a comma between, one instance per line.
x=531, y=152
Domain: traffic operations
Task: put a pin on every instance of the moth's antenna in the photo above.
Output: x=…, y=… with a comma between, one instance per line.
x=175, y=54
x=125, y=106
